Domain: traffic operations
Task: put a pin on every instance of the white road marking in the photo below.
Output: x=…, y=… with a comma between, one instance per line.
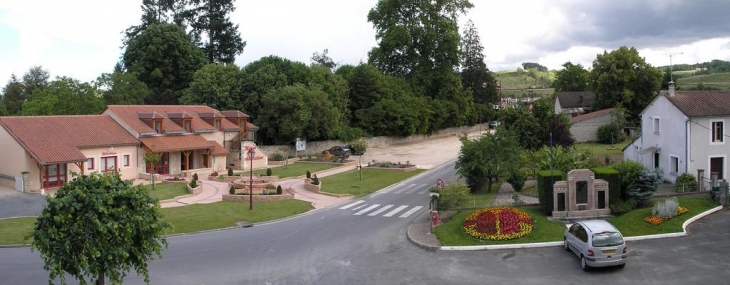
x=351, y=204
x=410, y=212
x=366, y=209
x=359, y=207
x=413, y=190
x=383, y=209
x=391, y=213
x=404, y=188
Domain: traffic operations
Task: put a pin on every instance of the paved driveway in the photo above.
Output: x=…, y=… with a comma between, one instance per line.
x=16, y=204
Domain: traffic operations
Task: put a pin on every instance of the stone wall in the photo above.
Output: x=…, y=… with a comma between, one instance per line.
x=587, y=131
x=316, y=147
x=258, y=198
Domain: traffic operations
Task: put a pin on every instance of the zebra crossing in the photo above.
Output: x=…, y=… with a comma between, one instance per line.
x=360, y=208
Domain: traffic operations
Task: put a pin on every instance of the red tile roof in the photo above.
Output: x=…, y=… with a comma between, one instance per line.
x=58, y=139
x=590, y=115
x=712, y=103
x=218, y=149
x=176, y=143
x=129, y=114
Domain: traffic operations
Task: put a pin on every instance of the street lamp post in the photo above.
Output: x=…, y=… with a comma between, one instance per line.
x=251, y=154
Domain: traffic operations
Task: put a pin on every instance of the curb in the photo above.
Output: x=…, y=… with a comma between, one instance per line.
x=560, y=243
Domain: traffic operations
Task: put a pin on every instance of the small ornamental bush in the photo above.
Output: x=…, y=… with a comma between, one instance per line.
x=517, y=179
x=277, y=157
x=270, y=186
x=195, y=176
x=194, y=183
x=268, y=172
x=309, y=175
x=666, y=209
x=278, y=189
x=610, y=133
x=451, y=195
x=498, y=223
x=315, y=181
x=232, y=190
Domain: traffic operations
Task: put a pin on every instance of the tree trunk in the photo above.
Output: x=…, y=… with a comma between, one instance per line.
x=100, y=280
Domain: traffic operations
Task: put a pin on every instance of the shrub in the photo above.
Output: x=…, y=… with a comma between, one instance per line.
x=609, y=134
x=545, y=189
x=268, y=172
x=277, y=157
x=194, y=183
x=309, y=175
x=315, y=181
x=666, y=209
x=645, y=186
x=628, y=172
x=230, y=171
x=451, y=195
x=232, y=190
x=621, y=207
x=278, y=189
x=685, y=183
x=685, y=178
x=195, y=176
x=517, y=179
x=270, y=186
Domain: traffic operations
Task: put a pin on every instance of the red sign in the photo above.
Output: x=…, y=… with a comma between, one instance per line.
x=440, y=183
x=108, y=153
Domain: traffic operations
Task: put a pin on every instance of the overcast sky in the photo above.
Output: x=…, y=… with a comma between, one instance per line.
x=82, y=38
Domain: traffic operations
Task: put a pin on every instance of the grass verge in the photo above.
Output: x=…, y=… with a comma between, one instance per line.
x=200, y=217
x=167, y=190
x=633, y=224
x=602, y=149
x=451, y=233
x=13, y=231
x=291, y=170
x=372, y=180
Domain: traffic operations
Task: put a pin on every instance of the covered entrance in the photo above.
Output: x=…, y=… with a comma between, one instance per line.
x=180, y=153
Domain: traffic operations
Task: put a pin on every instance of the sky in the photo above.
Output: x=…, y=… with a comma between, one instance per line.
x=83, y=38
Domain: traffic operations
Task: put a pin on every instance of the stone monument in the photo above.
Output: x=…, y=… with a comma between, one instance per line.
x=582, y=196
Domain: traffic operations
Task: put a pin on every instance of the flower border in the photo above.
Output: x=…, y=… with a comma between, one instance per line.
x=498, y=223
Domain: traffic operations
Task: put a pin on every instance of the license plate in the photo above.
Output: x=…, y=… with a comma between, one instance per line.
x=609, y=251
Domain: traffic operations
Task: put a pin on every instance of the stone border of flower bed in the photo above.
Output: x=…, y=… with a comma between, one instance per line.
x=257, y=198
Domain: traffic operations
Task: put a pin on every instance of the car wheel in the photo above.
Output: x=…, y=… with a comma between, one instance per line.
x=583, y=264
x=622, y=265
x=565, y=244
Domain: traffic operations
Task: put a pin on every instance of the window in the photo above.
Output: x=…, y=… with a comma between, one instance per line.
x=241, y=123
x=158, y=126
x=218, y=124
x=55, y=176
x=656, y=126
x=125, y=160
x=673, y=164
x=90, y=163
x=718, y=133
x=162, y=167
x=186, y=126
x=109, y=164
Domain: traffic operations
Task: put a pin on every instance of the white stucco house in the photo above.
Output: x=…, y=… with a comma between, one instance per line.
x=683, y=132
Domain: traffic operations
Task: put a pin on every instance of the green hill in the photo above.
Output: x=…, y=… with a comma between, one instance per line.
x=517, y=83
x=717, y=80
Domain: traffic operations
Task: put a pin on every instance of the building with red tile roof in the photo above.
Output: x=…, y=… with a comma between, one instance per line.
x=41, y=152
x=584, y=127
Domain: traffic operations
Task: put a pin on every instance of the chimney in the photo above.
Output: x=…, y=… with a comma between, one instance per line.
x=671, y=88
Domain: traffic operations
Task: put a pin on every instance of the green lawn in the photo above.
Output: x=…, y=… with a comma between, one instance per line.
x=451, y=233
x=480, y=199
x=602, y=149
x=632, y=223
x=200, y=217
x=372, y=180
x=167, y=190
x=13, y=231
x=706, y=78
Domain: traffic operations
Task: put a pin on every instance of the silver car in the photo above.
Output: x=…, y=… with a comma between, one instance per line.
x=597, y=243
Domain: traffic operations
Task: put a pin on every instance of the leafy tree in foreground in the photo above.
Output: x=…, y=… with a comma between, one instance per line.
x=488, y=157
x=97, y=227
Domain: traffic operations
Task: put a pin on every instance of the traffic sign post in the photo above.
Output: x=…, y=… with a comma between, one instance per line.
x=440, y=183
x=434, y=218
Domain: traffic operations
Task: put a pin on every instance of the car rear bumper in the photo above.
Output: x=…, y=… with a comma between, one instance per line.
x=603, y=262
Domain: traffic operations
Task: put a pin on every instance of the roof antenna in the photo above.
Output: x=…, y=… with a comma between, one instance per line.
x=671, y=66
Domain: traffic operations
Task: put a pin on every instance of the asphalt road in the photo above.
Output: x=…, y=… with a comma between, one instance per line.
x=347, y=245
x=16, y=204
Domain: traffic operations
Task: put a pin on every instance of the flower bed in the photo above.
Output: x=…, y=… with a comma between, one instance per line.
x=498, y=223
x=656, y=220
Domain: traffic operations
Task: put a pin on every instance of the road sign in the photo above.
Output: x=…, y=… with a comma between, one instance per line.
x=301, y=144
x=440, y=183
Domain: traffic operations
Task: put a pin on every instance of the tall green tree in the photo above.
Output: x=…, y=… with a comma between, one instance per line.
x=159, y=12
x=573, y=77
x=323, y=59
x=289, y=100
x=419, y=40
x=121, y=88
x=13, y=96
x=216, y=85
x=622, y=78
x=97, y=227
x=165, y=59
x=474, y=72
x=213, y=30
x=266, y=74
x=34, y=79
x=487, y=158
x=64, y=96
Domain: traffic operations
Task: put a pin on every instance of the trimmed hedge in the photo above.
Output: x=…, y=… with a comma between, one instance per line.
x=614, y=182
x=545, y=189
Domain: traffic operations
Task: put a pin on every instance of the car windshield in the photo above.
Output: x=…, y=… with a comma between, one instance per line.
x=607, y=239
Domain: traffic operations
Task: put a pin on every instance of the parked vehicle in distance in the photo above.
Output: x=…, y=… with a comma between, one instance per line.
x=340, y=151
x=597, y=243
x=494, y=124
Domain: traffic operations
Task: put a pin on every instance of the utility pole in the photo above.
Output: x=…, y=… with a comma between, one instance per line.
x=671, y=66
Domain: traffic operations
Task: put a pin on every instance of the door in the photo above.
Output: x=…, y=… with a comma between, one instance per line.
x=656, y=160
x=717, y=165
